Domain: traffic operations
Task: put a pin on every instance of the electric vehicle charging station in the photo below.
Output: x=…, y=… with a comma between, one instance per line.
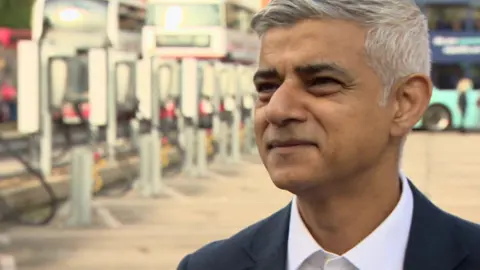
x=209, y=107
x=248, y=93
x=237, y=114
x=230, y=118
x=157, y=90
x=206, y=91
x=106, y=95
x=224, y=107
x=166, y=81
x=36, y=94
x=190, y=77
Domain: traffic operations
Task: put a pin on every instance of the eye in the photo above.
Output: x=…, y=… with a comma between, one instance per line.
x=266, y=87
x=320, y=81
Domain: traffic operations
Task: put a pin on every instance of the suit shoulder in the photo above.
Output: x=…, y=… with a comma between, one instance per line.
x=469, y=231
x=224, y=253
x=469, y=234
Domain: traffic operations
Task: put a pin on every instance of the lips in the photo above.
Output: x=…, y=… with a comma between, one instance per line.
x=288, y=143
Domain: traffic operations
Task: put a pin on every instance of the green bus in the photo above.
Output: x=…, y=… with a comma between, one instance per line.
x=444, y=112
x=455, y=44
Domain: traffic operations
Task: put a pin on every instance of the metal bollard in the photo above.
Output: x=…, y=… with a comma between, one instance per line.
x=81, y=187
x=150, y=180
x=189, y=164
x=202, y=159
x=223, y=141
x=235, y=136
x=155, y=166
x=94, y=131
x=135, y=132
x=143, y=183
x=112, y=124
x=248, y=144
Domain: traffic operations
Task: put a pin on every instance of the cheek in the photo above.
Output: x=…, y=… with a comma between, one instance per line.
x=260, y=124
x=347, y=123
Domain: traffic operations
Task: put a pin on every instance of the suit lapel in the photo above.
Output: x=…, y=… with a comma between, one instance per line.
x=432, y=244
x=268, y=248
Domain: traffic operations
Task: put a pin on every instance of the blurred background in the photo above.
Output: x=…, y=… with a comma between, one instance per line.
x=126, y=128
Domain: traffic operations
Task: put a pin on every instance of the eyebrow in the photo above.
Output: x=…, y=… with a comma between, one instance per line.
x=304, y=70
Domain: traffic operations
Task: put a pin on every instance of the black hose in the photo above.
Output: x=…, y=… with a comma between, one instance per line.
x=53, y=202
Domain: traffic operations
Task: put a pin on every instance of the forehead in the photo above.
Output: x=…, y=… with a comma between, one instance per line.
x=308, y=41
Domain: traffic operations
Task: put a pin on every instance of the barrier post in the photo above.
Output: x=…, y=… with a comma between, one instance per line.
x=149, y=182
x=111, y=110
x=248, y=144
x=252, y=138
x=156, y=162
x=143, y=184
x=206, y=84
x=46, y=129
x=223, y=140
x=81, y=187
x=248, y=102
x=155, y=166
x=223, y=126
x=189, y=108
x=202, y=163
x=189, y=163
x=135, y=132
x=237, y=118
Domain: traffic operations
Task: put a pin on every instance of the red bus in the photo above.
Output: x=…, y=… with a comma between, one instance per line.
x=8, y=70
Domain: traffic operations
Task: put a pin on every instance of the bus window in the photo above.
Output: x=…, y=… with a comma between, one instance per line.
x=238, y=17
x=85, y=16
x=475, y=73
x=447, y=17
x=131, y=18
x=183, y=15
x=446, y=76
x=476, y=17
x=80, y=24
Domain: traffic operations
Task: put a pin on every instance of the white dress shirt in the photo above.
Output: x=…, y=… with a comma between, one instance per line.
x=383, y=249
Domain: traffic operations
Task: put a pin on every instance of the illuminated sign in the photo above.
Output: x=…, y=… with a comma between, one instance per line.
x=454, y=47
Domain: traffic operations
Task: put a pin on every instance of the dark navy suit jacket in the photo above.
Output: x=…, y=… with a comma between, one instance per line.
x=438, y=241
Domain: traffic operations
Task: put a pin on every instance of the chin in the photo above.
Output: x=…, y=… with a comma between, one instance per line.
x=292, y=180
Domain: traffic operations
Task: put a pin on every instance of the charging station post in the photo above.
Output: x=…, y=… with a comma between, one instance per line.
x=237, y=118
x=189, y=109
x=34, y=94
x=223, y=89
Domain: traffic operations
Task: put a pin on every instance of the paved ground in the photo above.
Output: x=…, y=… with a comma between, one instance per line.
x=156, y=234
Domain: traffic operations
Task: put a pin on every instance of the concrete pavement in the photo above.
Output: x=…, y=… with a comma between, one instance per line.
x=156, y=234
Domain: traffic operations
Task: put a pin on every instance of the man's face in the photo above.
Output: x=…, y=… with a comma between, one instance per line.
x=318, y=117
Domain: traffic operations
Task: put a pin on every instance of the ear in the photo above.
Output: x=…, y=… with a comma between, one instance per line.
x=411, y=98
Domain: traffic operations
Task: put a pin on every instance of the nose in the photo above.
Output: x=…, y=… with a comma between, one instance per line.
x=285, y=107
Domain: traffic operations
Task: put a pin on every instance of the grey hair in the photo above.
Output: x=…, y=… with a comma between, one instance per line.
x=397, y=42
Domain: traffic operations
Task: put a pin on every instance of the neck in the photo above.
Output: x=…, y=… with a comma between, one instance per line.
x=341, y=217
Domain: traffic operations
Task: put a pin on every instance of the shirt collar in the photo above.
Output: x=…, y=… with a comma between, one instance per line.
x=383, y=248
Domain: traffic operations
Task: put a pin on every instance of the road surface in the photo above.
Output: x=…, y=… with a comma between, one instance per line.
x=156, y=234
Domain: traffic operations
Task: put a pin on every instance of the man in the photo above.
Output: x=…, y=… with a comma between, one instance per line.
x=340, y=85
x=464, y=85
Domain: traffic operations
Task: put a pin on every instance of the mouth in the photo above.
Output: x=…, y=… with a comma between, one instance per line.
x=288, y=144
